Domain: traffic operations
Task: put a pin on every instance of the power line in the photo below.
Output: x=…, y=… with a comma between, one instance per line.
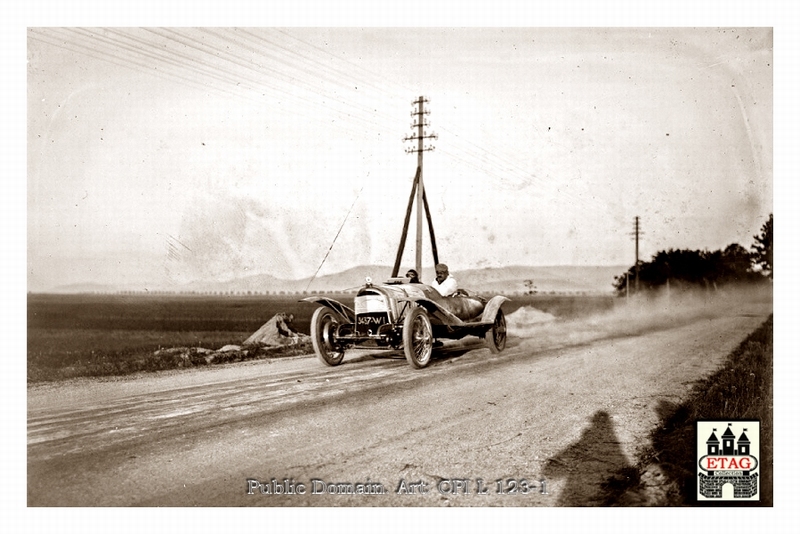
x=334, y=239
x=192, y=73
x=220, y=70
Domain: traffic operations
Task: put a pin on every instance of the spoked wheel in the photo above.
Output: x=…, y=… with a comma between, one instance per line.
x=323, y=327
x=495, y=337
x=417, y=338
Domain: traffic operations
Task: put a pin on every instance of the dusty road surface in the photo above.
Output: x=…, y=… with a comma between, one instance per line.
x=568, y=402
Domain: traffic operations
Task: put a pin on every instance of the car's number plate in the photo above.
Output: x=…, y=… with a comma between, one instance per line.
x=368, y=323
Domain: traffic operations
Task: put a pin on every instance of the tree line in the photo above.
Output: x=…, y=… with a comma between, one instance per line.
x=703, y=268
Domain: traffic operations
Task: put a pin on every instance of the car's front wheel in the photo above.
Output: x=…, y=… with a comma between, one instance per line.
x=417, y=338
x=323, y=327
x=495, y=337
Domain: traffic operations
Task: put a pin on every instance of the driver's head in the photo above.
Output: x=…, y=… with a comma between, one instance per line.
x=441, y=272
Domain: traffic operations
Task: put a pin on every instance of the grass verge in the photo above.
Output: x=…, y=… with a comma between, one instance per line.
x=742, y=389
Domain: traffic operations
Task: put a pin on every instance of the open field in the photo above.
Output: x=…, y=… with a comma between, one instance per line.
x=102, y=335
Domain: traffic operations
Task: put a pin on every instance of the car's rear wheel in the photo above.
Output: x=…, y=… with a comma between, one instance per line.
x=323, y=327
x=495, y=337
x=417, y=338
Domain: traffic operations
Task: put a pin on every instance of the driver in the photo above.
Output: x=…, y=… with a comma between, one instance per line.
x=445, y=284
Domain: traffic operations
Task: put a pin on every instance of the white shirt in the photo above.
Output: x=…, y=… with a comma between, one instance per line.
x=446, y=288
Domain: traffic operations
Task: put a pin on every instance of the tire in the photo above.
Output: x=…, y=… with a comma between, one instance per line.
x=495, y=337
x=323, y=325
x=417, y=338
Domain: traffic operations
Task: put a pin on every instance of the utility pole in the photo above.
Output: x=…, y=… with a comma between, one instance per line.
x=637, y=231
x=420, y=122
x=627, y=287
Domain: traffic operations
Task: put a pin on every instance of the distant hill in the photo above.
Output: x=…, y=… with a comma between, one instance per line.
x=563, y=278
x=512, y=279
x=591, y=279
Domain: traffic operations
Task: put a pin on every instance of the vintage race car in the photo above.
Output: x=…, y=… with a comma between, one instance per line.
x=399, y=314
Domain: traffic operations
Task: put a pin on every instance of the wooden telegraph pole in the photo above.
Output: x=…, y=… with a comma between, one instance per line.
x=418, y=189
x=419, y=121
x=637, y=231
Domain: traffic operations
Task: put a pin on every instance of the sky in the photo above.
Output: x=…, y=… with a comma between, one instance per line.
x=161, y=156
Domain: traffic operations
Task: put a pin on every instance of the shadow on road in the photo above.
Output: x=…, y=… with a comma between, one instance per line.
x=591, y=466
x=440, y=354
x=742, y=389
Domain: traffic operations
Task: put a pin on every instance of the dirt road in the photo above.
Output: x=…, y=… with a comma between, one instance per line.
x=568, y=402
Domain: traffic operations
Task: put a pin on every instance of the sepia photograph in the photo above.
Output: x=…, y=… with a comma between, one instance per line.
x=314, y=266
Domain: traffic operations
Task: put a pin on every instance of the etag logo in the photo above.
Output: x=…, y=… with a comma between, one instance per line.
x=727, y=460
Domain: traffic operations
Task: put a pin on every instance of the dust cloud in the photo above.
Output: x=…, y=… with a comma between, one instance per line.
x=636, y=316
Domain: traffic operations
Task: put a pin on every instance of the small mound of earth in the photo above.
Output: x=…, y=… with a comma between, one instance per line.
x=527, y=316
